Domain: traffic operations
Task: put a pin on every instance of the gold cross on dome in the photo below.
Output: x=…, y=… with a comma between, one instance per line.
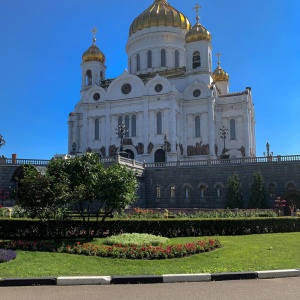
x=196, y=8
x=218, y=55
x=94, y=31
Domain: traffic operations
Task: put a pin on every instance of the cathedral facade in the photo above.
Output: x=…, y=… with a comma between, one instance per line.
x=171, y=102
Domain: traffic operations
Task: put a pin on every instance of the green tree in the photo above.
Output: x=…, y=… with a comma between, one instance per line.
x=42, y=195
x=257, y=197
x=80, y=184
x=234, y=195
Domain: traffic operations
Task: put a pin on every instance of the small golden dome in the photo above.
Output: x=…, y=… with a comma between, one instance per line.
x=220, y=75
x=93, y=54
x=197, y=33
x=160, y=13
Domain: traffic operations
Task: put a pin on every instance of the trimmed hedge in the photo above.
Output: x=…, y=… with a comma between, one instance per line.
x=35, y=229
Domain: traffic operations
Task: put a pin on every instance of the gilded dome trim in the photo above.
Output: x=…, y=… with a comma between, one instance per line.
x=160, y=13
x=93, y=54
x=220, y=75
x=198, y=33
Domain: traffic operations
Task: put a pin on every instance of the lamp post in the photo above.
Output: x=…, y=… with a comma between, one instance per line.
x=223, y=134
x=2, y=141
x=120, y=132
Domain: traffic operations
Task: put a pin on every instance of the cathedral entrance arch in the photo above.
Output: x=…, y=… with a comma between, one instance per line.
x=160, y=155
x=291, y=197
x=130, y=153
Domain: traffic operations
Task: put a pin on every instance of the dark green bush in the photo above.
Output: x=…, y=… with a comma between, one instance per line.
x=35, y=229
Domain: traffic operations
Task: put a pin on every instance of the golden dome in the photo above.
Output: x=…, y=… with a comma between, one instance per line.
x=93, y=54
x=197, y=33
x=220, y=75
x=160, y=13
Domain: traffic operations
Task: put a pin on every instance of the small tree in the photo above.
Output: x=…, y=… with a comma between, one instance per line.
x=234, y=195
x=42, y=195
x=82, y=184
x=257, y=197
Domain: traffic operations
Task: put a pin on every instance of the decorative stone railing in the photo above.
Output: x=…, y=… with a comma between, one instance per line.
x=233, y=161
x=183, y=163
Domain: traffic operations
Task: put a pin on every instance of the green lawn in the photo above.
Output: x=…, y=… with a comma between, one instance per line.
x=239, y=253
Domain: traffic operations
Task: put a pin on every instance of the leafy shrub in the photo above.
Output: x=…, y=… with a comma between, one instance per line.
x=7, y=255
x=135, y=239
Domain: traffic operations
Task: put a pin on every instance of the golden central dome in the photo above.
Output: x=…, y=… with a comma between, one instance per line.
x=220, y=75
x=160, y=13
x=198, y=33
x=93, y=54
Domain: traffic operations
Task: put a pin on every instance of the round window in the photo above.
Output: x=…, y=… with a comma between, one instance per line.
x=126, y=88
x=196, y=93
x=158, y=88
x=96, y=96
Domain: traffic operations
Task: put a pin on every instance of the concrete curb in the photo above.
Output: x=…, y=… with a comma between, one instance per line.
x=148, y=279
x=278, y=274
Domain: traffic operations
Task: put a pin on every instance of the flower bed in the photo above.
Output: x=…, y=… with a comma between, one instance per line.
x=7, y=255
x=120, y=251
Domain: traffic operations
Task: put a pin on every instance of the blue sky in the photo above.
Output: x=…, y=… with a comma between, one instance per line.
x=42, y=43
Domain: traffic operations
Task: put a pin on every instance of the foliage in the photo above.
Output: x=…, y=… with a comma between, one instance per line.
x=234, y=195
x=257, y=197
x=7, y=255
x=139, y=213
x=28, y=229
x=120, y=251
x=82, y=184
x=135, y=239
x=42, y=195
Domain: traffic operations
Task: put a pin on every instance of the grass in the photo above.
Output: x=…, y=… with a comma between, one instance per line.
x=239, y=253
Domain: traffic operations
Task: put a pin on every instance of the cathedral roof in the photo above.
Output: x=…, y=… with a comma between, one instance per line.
x=93, y=53
x=220, y=75
x=198, y=33
x=159, y=13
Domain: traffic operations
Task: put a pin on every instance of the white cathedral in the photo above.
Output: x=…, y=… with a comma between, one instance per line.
x=170, y=102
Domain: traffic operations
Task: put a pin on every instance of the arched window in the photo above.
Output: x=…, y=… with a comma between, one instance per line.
x=158, y=123
x=209, y=62
x=196, y=60
x=202, y=191
x=271, y=190
x=219, y=191
x=149, y=59
x=158, y=195
x=163, y=57
x=97, y=123
x=176, y=59
x=187, y=192
x=138, y=62
x=197, y=127
x=88, y=77
x=130, y=65
x=232, y=129
x=101, y=75
x=120, y=120
x=133, y=125
x=172, y=192
x=127, y=126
